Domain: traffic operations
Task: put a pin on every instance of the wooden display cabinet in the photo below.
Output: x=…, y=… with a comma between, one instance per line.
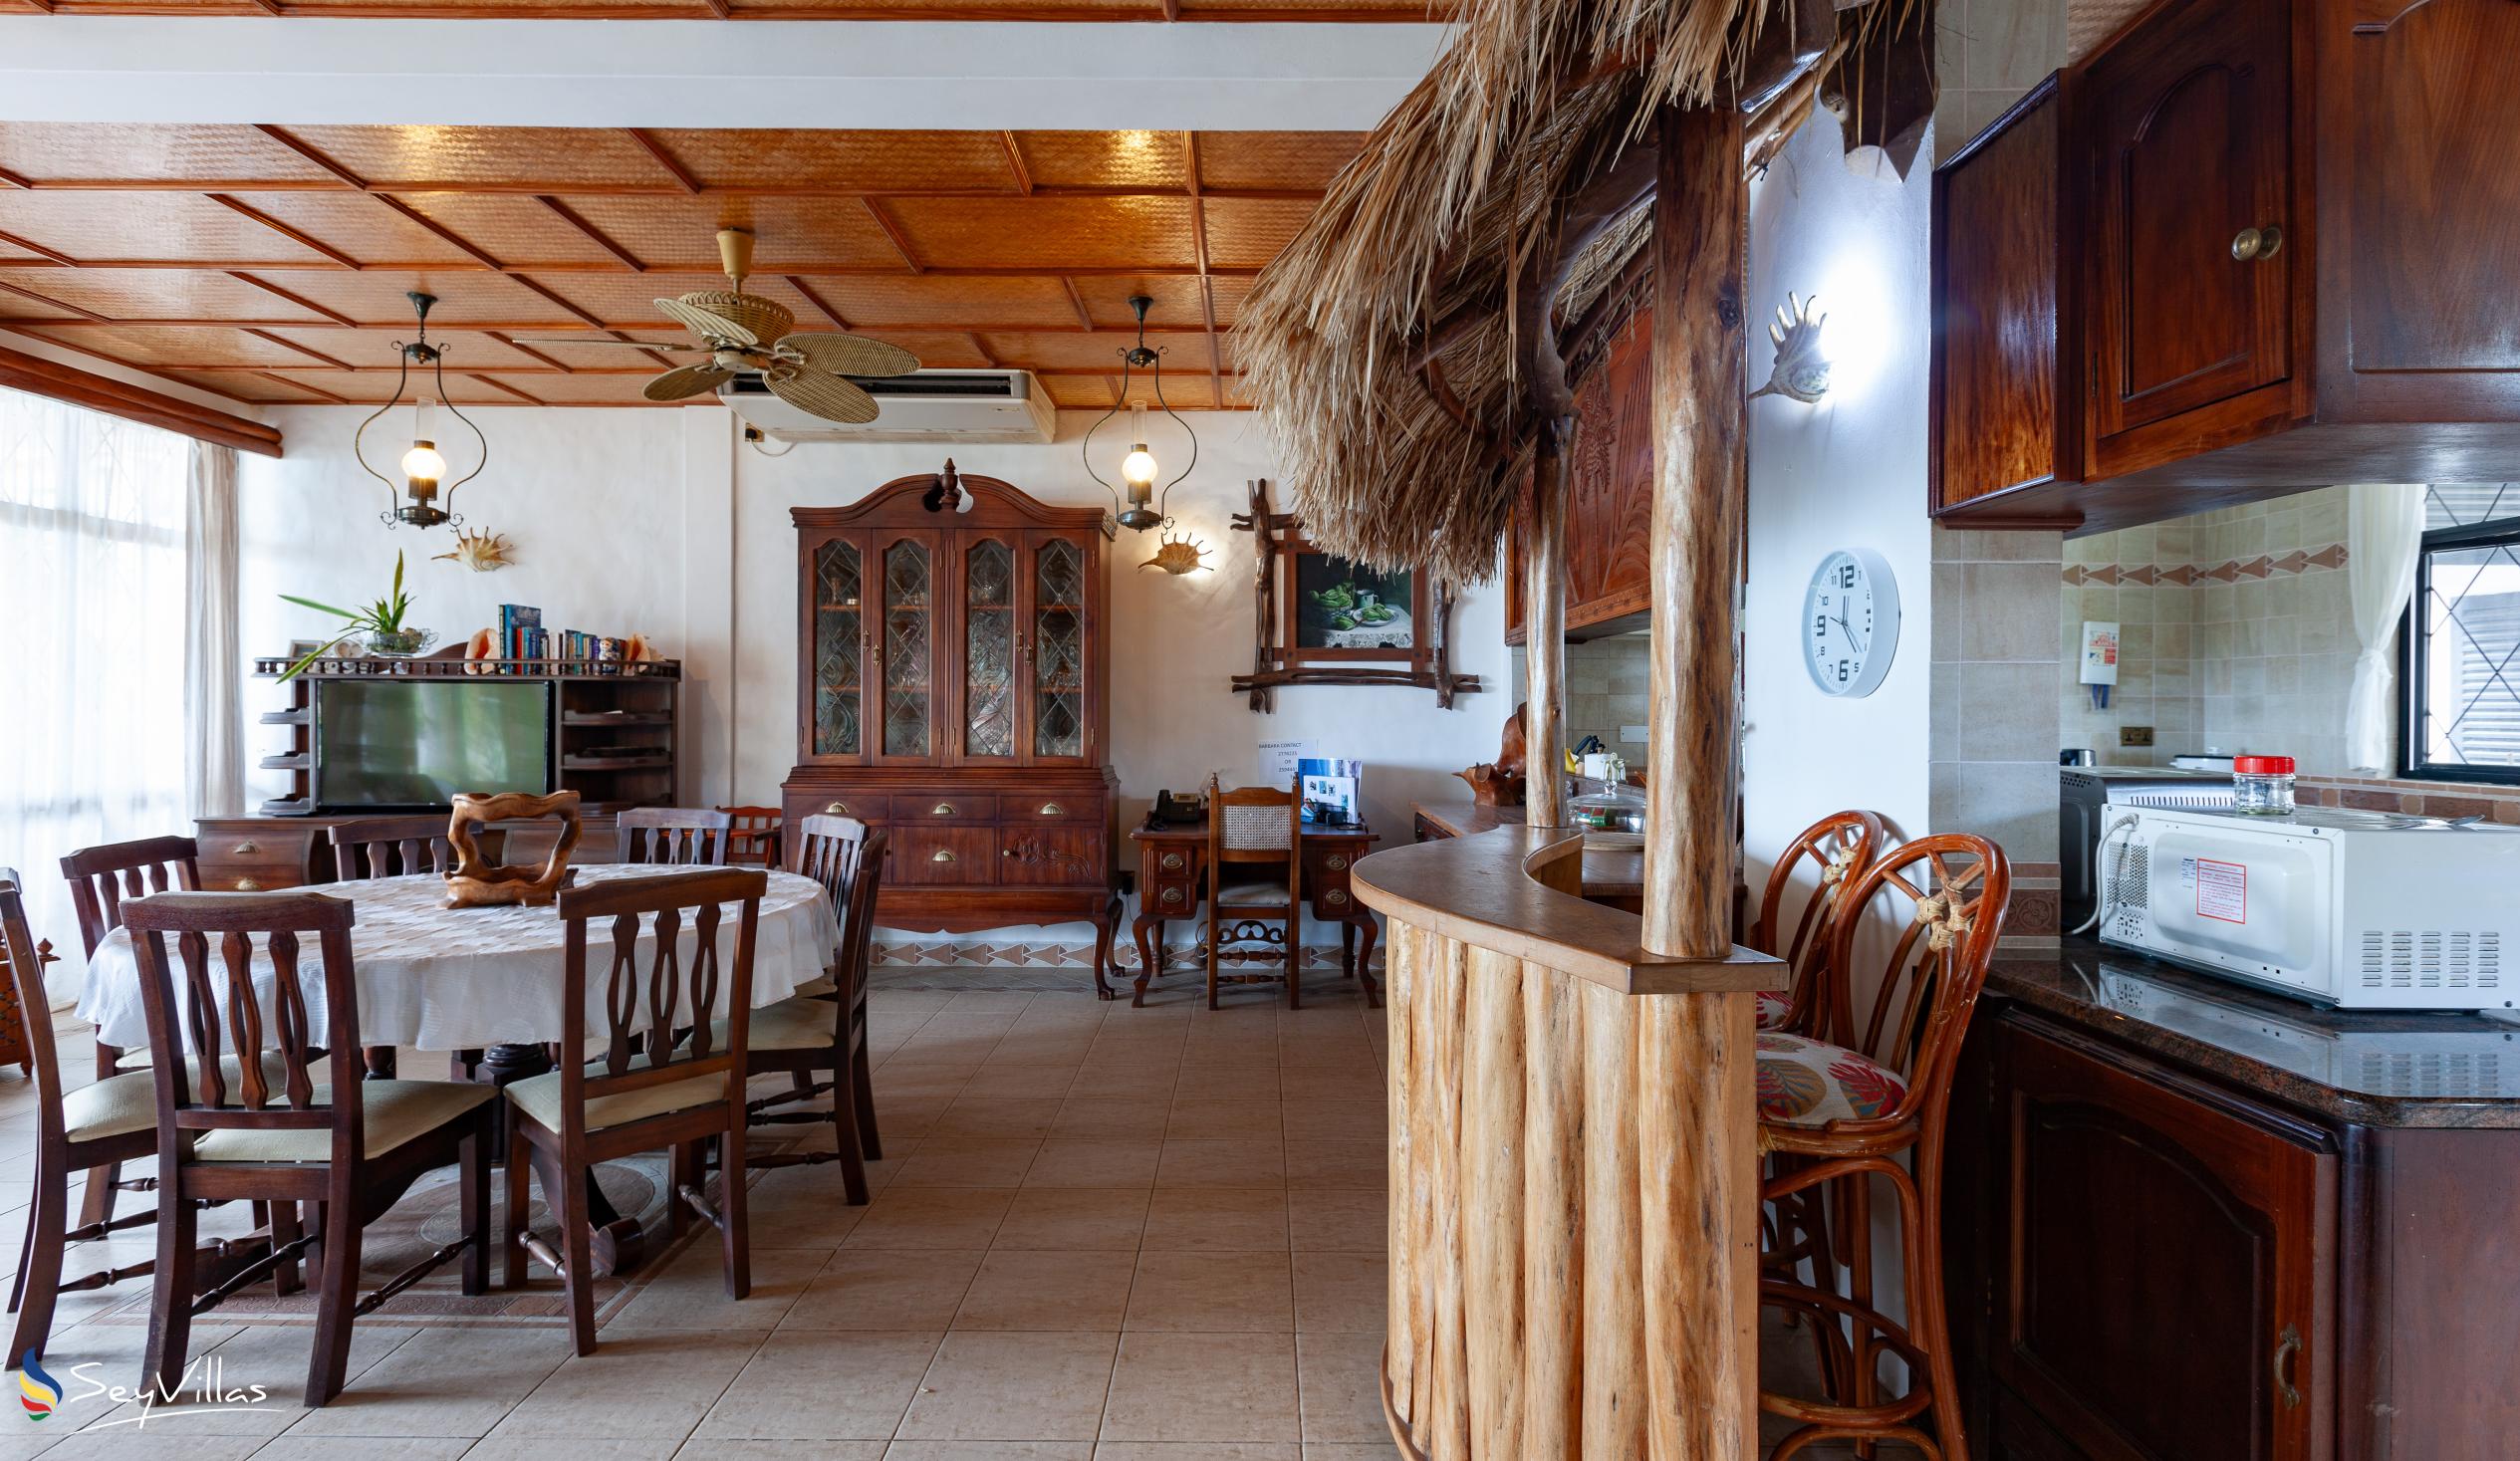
x=953, y=673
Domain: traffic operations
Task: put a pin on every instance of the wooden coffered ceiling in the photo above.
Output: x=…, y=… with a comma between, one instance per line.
x=269, y=264
x=1306, y=11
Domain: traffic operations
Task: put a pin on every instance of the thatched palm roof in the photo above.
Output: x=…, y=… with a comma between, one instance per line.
x=1391, y=347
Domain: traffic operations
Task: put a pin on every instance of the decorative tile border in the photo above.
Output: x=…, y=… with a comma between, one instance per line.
x=2229, y=571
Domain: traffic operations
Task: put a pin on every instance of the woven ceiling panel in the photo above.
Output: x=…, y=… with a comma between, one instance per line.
x=1157, y=160
x=174, y=345
x=1046, y=233
x=1075, y=351
x=1249, y=232
x=881, y=162
x=1176, y=300
x=794, y=234
x=248, y=385
x=628, y=301
x=874, y=301
x=520, y=232
x=158, y=294
x=547, y=159
x=44, y=151
x=368, y=230
x=151, y=227
x=1274, y=159
x=367, y=388
x=376, y=298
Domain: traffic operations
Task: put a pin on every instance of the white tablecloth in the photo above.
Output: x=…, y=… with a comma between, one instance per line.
x=459, y=978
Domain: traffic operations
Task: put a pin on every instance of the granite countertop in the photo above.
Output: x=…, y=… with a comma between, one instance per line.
x=1607, y=873
x=2372, y=1069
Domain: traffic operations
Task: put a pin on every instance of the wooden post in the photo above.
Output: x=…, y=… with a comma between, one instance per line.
x=1544, y=636
x=1697, y=1103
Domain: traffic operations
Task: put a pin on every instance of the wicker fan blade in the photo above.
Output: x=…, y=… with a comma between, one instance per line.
x=850, y=355
x=686, y=381
x=682, y=347
x=828, y=396
x=705, y=325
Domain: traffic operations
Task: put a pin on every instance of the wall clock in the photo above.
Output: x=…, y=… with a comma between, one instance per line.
x=1850, y=622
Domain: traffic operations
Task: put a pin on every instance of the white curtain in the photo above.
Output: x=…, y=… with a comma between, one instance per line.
x=92, y=604
x=2382, y=536
x=213, y=701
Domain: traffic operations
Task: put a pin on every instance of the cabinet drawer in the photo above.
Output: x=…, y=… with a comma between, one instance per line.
x=865, y=807
x=929, y=856
x=1170, y=898
x=1332, y=902
x=260, y=858
x=1017, y=810
x=946, y=805
x=1053, y=854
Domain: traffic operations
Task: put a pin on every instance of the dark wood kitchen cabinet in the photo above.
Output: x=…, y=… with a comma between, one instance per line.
x=1610, y=495
x=2283, y=232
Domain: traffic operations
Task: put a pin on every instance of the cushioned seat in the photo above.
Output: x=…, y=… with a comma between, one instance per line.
x=1808, y=1082
x=819, y=988
x=1271, y=891
x=539, y=1097
x=392, y=1113
x=1773, y=1008
x=128, y=1102
x=791, y=1023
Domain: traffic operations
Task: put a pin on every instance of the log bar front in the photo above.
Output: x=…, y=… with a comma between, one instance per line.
x=1574, y=1167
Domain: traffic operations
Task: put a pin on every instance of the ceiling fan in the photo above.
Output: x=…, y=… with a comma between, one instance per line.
x=747, y=335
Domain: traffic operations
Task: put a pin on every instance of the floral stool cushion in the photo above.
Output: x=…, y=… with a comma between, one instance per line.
x=1806, y=1083
x=1773, y=1008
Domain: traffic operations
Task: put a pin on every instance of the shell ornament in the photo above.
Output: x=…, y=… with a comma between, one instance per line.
x=1178, y=555
x=483, y=553
x=1801, y=372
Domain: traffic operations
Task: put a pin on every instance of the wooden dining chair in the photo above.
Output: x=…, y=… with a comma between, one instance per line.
x=226, y=1129
x=1255, y=875
x=390, y=846
x=1848, y=1112
x=671, y=1076
x=102, y=878
x=679, y=836
x=811, y=1032
x=829, y=850
x=753, y=837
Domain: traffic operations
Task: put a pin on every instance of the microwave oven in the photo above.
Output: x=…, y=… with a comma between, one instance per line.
x=2360, y=909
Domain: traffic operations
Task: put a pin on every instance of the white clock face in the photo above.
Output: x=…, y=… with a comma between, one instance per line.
x=1850, y=623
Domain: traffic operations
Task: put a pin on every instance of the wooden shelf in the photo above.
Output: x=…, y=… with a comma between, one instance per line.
x=290, y=761
x=658, y=762
x=296, y=716
x=589, y=719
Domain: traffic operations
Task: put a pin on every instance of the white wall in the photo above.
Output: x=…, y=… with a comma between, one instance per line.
x=1847, y=472
x=662, y=523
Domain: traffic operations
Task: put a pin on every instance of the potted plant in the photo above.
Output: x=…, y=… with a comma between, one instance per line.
x=380, y=624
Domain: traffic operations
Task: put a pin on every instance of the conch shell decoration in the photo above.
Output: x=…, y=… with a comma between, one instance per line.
x=1178, y=555
x=483, y=553
x=1801, y=372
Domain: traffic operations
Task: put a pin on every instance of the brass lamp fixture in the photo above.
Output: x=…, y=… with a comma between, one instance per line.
x=422, y=503
x=1137, y=470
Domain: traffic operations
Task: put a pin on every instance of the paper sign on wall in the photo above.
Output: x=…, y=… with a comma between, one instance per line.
x=1279, y=762
x=2100, y=652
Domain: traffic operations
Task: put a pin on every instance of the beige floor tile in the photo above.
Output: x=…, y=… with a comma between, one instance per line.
x=1047, y=1080
x=1004, y=1118
x=120, y=1445
x=1307, y=1119
x=1319, y=1049
x=1342, y=1219
x=1013, y=1387
x=718, y=1449
x=1211, y=1218
x=1135, y=1076
x=968, y=1161
x=1109, y=1117
x=1340, y=1292
x=1202, y=1451
x=1075, y=1219
x=803, y=1208
x=1019, y=1290
x=272, y=1356
x=1203, y=1387
x=931, y=1217
x=1222, y=1164
x=1338, y=1164
x=1207, y=1079
x=806, y=1385
x=1341, y=1375
x=1099, y=1162
x=690, y=1294
x=443, y=1383
x=990, y=1451
x=1221, y=1119
x=1212, y=1292
x=886, y=1289
x=635, y=1386
x=365, y=1448
x=583, y=1448
x=1347, y=1451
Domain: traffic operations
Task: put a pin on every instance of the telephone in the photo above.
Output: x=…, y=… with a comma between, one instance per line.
x=1170, y=810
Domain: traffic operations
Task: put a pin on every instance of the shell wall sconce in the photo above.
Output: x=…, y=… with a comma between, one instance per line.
x=1177, y=556
x=483, y=553
x=1801, y=372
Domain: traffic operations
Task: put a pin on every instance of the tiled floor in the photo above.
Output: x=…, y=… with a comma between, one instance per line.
x=1099, y=1234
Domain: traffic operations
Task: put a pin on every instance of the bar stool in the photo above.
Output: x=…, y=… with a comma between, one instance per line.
x=1843, y=1113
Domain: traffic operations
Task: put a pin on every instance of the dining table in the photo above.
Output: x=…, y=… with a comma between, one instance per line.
x=489, y=980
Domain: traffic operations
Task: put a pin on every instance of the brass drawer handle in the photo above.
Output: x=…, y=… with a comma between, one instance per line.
x=1173, y=862
x=1336, y=897
x=246, y=848
x=1173, y=897
x=247, y=885
x=2258, y=244
x=837, y=809
x=2285, y=1349
x=941, y=854
x=1335, y=862
x=1053, y=808
x=941, y=808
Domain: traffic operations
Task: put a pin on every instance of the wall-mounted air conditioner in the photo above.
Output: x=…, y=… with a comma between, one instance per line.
x=926, y=405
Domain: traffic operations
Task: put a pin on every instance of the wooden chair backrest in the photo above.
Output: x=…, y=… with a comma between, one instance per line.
x=1254, y=826
x=847, y=857
x=216, y=1000
x=753, y=836
x=102, y=877
x=655, y=1021
x=390, y=846
x=1956, y=889
x=25, y=960
x=679, y=836
x=1836, y=850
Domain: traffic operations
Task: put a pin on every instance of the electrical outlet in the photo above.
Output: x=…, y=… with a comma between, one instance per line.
x=2134, y=735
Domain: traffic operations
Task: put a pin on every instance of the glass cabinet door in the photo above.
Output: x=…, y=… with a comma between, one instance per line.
x=908, y=648
x=989, y=645
x=1054, y=647
x=837, y=637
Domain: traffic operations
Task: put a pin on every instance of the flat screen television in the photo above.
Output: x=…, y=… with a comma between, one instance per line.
x=395, y=744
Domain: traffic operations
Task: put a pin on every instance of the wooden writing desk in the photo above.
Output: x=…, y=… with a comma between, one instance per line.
x=1172, y=880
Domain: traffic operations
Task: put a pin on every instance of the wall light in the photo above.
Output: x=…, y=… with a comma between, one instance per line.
x=1137, y=470
x=423, y=504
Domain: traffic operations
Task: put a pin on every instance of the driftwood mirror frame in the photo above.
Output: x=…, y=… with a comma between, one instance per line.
x=1276, y=659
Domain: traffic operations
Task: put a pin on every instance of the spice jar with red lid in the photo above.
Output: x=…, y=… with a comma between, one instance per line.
x=2262, y=786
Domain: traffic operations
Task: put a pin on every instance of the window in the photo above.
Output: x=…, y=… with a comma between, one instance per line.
x=2463, y=646
x=91, y=602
